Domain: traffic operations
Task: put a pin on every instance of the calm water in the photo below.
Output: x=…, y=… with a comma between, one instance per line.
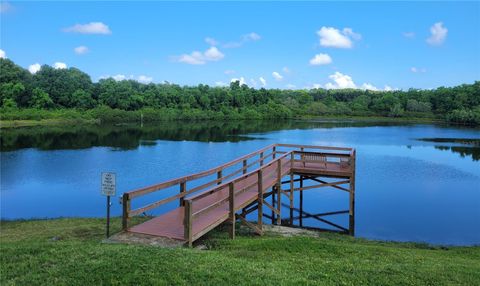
x=407, y=189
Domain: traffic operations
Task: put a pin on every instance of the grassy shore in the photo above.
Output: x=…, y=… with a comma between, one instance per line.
x=71, y=252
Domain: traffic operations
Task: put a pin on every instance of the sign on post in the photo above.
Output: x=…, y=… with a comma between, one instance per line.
x=109, y=186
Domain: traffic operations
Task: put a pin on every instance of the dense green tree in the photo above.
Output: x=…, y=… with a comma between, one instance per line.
x=40, y=99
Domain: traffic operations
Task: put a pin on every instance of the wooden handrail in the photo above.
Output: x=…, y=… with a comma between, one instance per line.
x=314, y=147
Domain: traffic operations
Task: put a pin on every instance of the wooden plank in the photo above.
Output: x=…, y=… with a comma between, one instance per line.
x=260, y=198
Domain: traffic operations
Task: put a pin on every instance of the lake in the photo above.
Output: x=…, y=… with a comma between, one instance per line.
x=414, y=182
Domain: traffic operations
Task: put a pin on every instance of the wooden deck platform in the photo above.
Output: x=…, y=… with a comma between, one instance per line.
x=204, y=207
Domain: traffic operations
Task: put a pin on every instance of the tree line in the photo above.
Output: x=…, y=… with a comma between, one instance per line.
x=60, y=89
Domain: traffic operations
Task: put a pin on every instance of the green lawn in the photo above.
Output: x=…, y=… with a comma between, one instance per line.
x=30, y=256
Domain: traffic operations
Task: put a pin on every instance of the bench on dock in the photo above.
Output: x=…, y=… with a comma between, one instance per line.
x=210, y=198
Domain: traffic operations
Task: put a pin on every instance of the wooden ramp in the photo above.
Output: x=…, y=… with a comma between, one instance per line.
x=207, y=205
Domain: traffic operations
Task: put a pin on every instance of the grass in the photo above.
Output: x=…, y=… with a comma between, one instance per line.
x=29, y=256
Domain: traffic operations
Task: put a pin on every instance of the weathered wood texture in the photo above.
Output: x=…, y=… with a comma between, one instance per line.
x=204, y=207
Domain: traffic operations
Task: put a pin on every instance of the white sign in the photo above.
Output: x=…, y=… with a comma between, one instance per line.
x=108, y=184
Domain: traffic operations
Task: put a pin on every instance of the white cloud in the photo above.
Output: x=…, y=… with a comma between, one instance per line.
x=80, y=50
x=277, y=76
x=332, y=37
x=286, y=70
x=3, y=55
x=438, y=34
x=241, y=80
x=316, y=85
x=59, y=66
x=263, y=81
x=340, y=81
x=388, y=88
x=229, y=72
x=5, y=7
x=211, y=41
x=352, y=34
x=368, y=86
x=90, y=28
x=213, y=54
x=408, y=34
x=33, y=69
x=199, y=58
x=118, y=77
x=220, y=83
x=251, y=37
x=321, y=59
x=418, y=70
x=290, y=86
x=144, y=79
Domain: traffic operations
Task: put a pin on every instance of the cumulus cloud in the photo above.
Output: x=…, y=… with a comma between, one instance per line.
x=368, y=86
x=332, y=37
x=263, y=81
x=340, y=81
x=320, y=59
x=33, y=69
x=241, y=80
x=211, y=41
x=220, y=83
x=80, y=50
x=199, y=58
x=119, y=77
x=90, y=28
x=59, y=66
x=388, y=88
x=144, y=79
x=438, y=34
x=3, y=55
x=277, y=76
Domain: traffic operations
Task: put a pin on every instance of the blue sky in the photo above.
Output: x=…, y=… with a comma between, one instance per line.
x=373, y=45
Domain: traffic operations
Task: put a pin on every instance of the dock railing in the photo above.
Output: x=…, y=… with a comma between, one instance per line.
x=284, y=155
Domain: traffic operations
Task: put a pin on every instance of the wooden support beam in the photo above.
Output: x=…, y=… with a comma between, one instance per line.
x=251, y=225
x=231, y=195
x=325, y=182
x=322, y=185
x=187, y=223
x=291, y=198
x=244, y=167
x=351, y=224
x=274, y=149
x=279, y=189
x=260, y=198
x=274, y=210
x=261, y=159
x=301, y=199
x=273, y=205
x=125, y=211
x=219, y=177
x=183, y=189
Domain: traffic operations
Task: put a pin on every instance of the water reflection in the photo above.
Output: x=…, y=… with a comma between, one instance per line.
x=128, y=137
x=466, y=147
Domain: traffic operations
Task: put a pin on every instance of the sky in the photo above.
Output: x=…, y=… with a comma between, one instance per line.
x=287, y=45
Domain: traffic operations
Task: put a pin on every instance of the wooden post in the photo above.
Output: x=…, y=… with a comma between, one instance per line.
x=302, y=157
x=244, y=166
x=351, y=225
x=219, y=176
x=183, y=189
x=301, y=201
x=187, y=223
x=274, y=151
x=279, y=191
x=291, y=198
x=260, y=200
x=126, y=210
x=273, y=204
x=231, y=196
x=261, y=159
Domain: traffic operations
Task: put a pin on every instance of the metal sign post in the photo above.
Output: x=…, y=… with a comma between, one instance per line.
x=108, y=189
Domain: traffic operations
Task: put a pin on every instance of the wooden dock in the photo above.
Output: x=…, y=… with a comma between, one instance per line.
x=237, y=188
